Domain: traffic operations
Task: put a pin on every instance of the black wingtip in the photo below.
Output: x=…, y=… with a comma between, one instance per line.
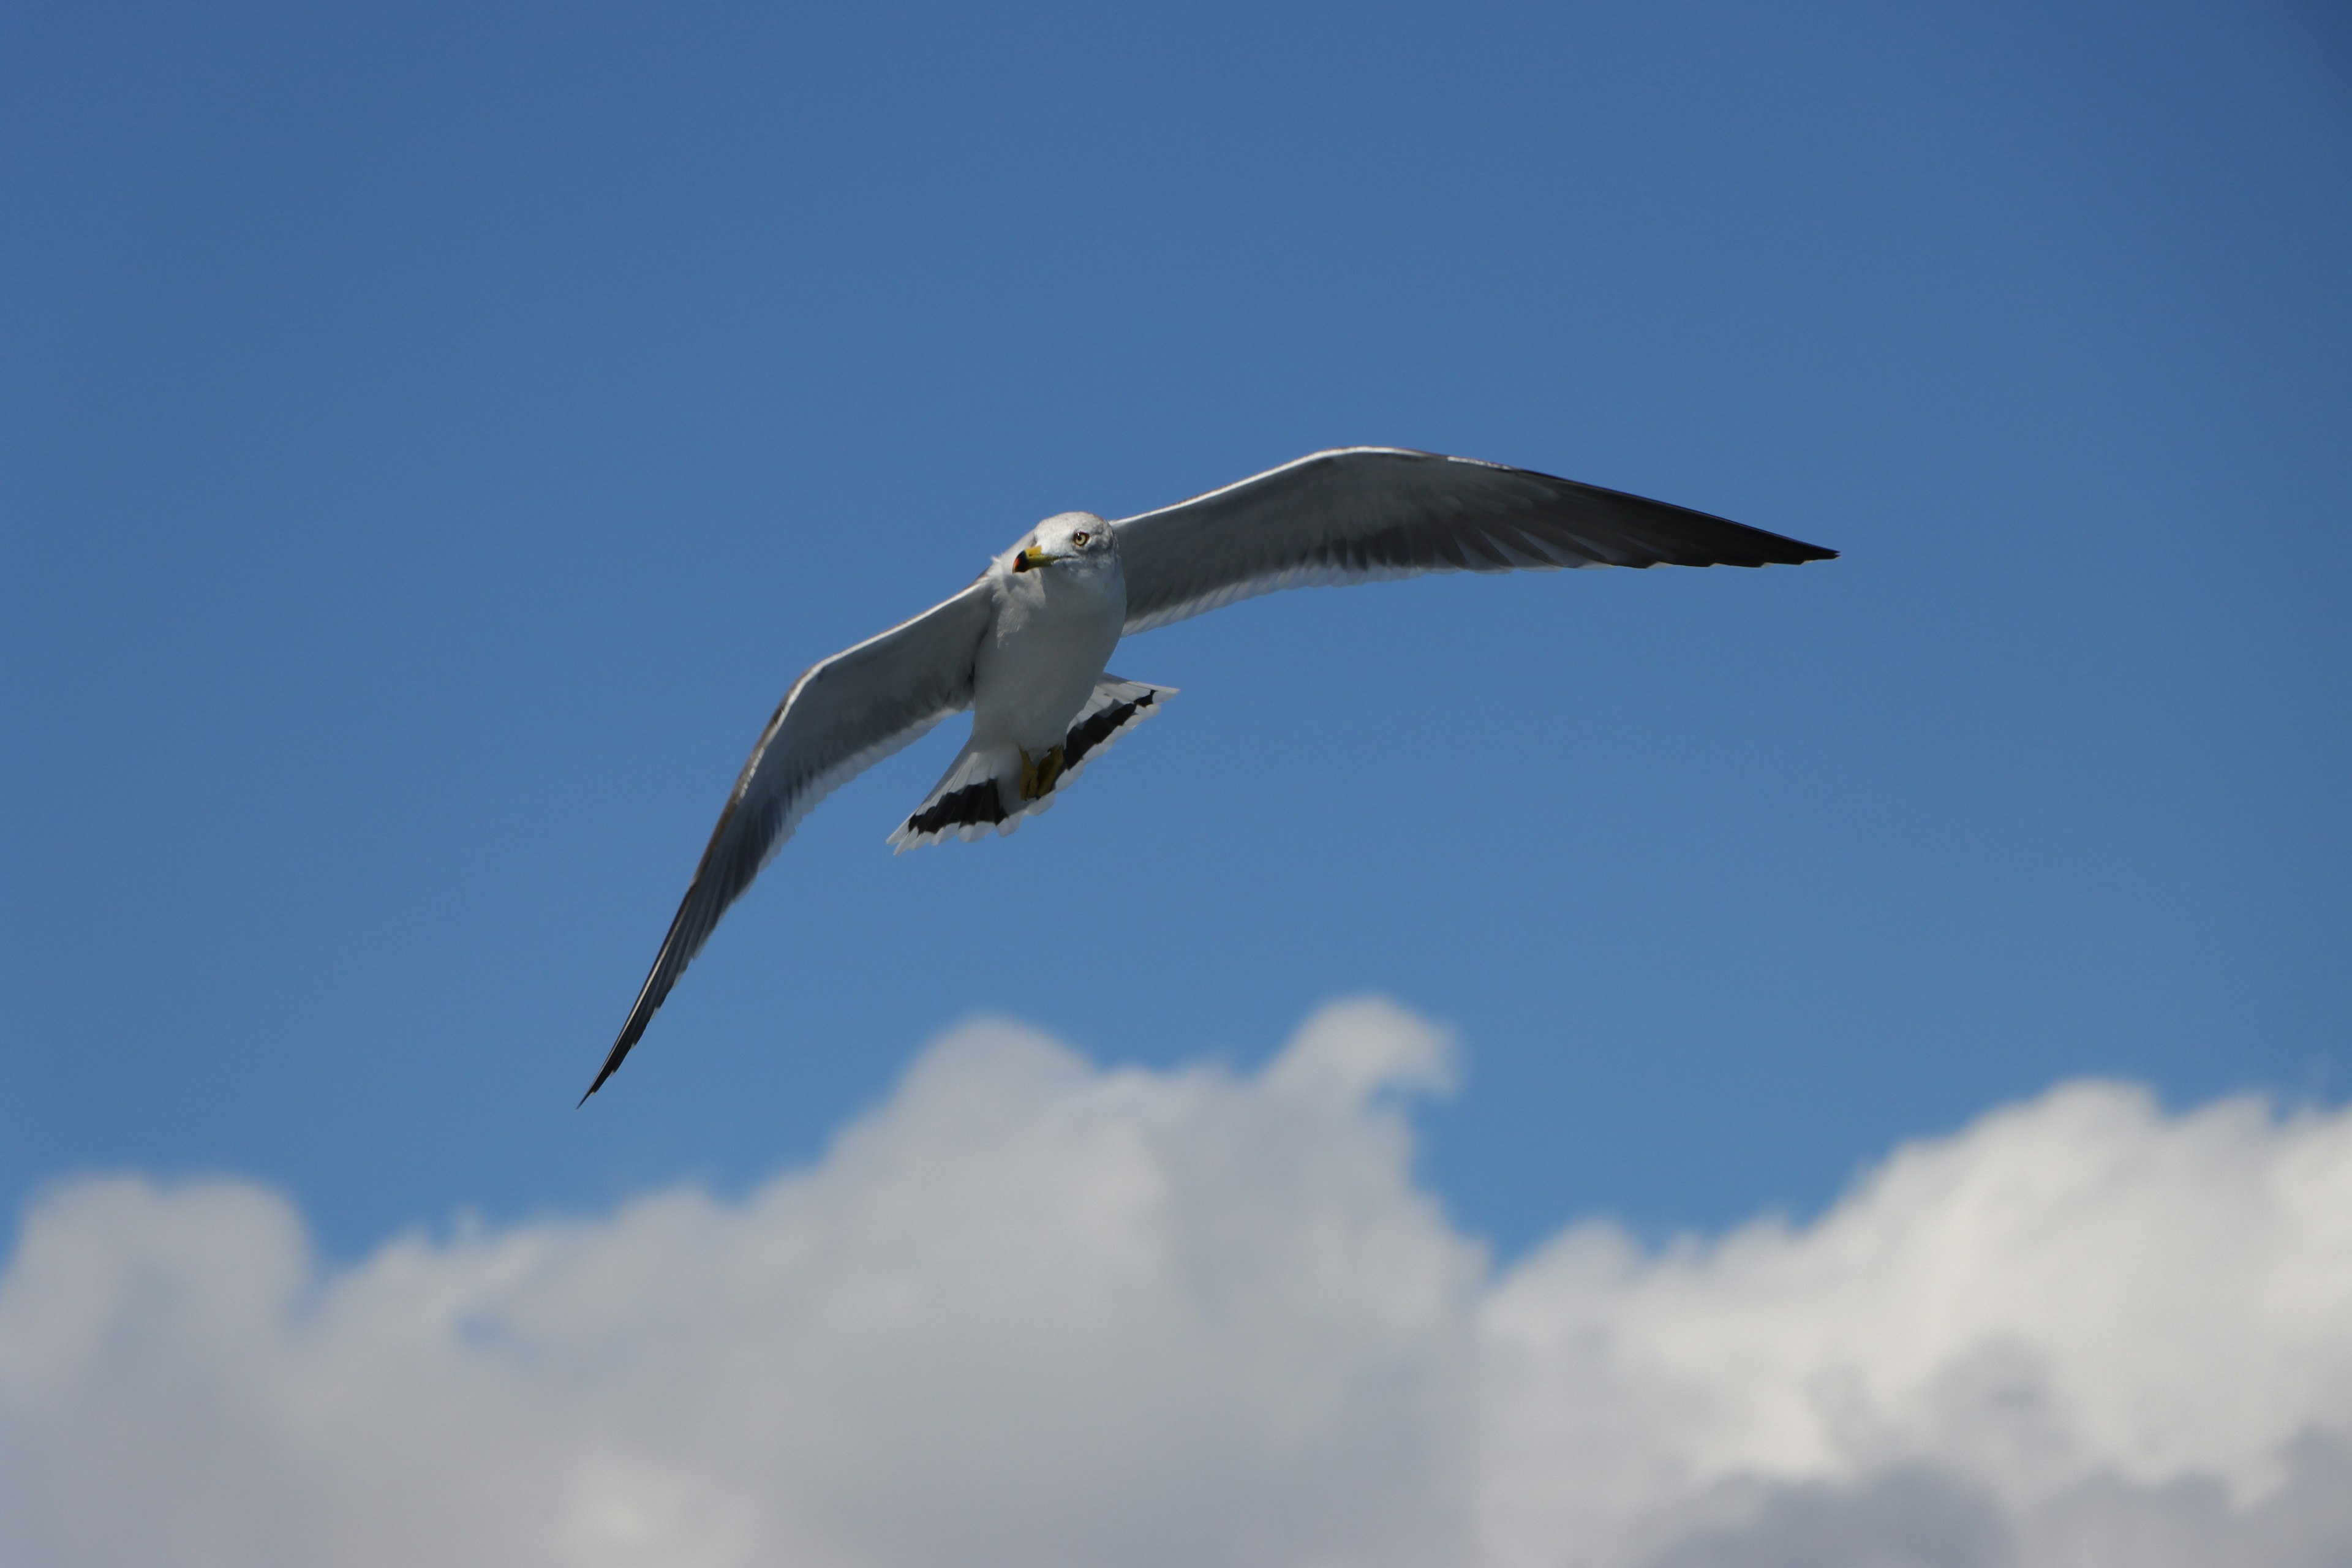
x=1765, y=547
x=612, y=1061
x=1755, y=547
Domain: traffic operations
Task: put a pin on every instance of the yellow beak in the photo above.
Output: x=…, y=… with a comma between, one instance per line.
x=1032, y=558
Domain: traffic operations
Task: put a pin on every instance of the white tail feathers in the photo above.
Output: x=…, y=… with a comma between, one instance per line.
x=980, y=791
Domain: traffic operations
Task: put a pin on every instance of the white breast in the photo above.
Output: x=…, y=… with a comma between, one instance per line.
x=1053, y=633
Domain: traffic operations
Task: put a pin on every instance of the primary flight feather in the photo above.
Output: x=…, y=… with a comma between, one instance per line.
x=1025, y=645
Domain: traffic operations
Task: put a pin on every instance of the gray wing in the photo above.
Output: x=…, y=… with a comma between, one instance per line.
x=839, y=719
x=1362, y=513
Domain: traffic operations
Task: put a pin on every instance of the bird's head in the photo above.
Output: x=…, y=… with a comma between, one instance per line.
x=1073, y=539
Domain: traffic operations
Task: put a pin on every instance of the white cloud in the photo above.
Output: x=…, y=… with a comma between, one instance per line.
x=1033, y=1312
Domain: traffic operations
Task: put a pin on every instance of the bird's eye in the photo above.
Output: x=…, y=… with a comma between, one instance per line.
x=1077, y=539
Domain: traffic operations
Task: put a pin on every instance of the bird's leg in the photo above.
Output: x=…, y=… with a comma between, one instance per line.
x=1039, y=773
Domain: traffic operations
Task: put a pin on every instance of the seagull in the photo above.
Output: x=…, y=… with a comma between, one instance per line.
x=1024, y=647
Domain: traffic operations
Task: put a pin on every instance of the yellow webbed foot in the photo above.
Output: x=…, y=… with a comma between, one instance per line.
x=1038, y=774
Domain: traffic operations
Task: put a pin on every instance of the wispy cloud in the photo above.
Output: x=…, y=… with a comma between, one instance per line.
x=1035, y=1311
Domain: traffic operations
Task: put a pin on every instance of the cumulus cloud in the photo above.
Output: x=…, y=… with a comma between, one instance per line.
x=1035, y=1311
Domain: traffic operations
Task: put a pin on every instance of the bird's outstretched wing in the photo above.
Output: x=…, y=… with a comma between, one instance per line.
x=842, y=717
x=1362, y=513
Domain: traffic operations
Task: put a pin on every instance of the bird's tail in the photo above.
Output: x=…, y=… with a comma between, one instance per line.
x=982, y=790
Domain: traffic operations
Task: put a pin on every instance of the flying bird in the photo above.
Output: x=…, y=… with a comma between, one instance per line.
x=1025, y=645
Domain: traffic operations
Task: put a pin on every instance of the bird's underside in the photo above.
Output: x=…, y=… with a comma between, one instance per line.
x=986, y=791
x=1024, y=644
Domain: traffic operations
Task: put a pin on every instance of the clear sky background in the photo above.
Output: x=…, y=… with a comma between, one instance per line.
x=431, y=438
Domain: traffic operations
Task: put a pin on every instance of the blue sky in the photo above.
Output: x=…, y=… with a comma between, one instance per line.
x=430, y=441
